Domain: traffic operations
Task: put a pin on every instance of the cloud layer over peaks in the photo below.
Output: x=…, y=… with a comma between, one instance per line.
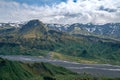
x=67, y=12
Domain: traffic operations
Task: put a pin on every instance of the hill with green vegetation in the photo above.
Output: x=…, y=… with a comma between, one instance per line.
x=34, y=38
x=12, y=70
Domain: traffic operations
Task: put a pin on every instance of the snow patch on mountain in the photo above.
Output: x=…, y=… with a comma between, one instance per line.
x=0, y=24
x=110, y=29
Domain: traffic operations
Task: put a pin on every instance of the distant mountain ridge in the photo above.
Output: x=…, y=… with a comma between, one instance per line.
x=110, y=29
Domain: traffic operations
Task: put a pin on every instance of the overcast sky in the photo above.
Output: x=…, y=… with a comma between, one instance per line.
x=61, y=11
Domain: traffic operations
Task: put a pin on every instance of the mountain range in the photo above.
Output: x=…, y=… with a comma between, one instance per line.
x=106, y=30
x=35, y=38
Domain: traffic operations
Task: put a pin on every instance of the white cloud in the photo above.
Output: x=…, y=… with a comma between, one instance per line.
x=82, y=11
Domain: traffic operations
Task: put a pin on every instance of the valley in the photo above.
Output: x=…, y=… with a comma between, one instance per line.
x=98, y=70
x=59, y=39
x=87, y=55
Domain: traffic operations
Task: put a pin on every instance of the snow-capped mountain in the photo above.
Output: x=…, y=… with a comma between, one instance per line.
x=13, y=25
x=110, y=29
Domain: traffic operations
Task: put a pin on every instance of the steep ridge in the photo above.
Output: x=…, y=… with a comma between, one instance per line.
x=13, y=71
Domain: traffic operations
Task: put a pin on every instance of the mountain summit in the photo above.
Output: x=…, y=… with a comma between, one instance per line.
x=33, y=29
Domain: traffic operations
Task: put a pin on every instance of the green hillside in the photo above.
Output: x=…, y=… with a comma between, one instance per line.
x=12, y=70
x=35, y=39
